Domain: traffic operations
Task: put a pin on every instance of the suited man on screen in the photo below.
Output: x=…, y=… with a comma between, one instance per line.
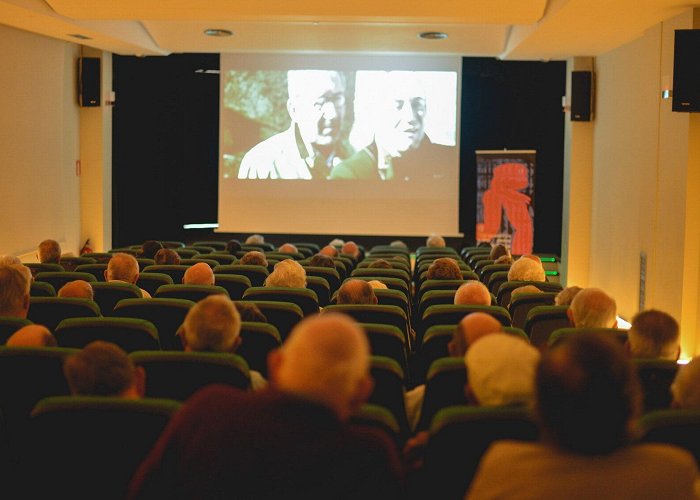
x=311, y=146
x=401, y=149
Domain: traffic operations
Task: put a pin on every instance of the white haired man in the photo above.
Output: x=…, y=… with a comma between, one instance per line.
x=592, y=308
x=199, y=274
x=526, y=269
x=291, y=440
x=311, y=146
x=287, y=273
x=124, y=267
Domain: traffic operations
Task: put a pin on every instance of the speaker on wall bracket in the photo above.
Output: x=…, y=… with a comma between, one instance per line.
x=89, y=81
x=581, y=96
x=686, y=71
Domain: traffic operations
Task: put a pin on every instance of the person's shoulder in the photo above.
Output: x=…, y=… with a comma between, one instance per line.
x=258, y=161
x=663, y=454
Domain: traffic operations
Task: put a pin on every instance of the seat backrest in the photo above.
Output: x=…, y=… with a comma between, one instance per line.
x=178, y=375
x=200, y=258
x=152, y=281
x=70, y=263
x=389, y=389
x=388, y=297
x=330, y=275
x=97, y=270
x=186, y=253
x=675, y=427
x=217, y=245
x=378, y=417
x=105, y=439
x=176, y=272
x=433, y=346
x=429, y=285
x=166, y=314
x=452, y=464
x=504, y=291
x=321, y=288
x=303, y=297
x=189, y=292
x=521, y=304
x=541, y=321
x=235, y=284
x=283, y=315
x=44, y=267
x=41, y=289
x=366, y=313
x=258, y=340
x=8, y=326
x=128, y=333
x=224, y=259
x=451, y=314
x=387, y=341
x=444, y=386
x=387, y=273
x=50, y=311
x=488, y=270
x=561, y=334
x=435, y=297
x=173, y=244
x=495, y=281
x=107, y=294
x=256, y=274
x=391, y=283
x=58, y=279
x=656, y=376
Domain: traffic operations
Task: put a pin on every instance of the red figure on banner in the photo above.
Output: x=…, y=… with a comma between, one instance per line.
x=503, y=193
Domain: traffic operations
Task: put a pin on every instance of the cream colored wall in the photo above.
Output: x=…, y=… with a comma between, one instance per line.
x=641, y=190
x=39, y=144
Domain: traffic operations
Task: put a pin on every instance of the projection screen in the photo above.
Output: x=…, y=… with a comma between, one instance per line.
x=339, y=144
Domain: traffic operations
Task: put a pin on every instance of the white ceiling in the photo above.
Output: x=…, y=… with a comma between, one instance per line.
x=511, y=29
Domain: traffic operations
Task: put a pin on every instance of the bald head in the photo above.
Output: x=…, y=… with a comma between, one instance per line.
x=470, y=329
x=198, y=274
x=122, y=267
x=351, y=248
x=32, y=336
x=356, y=292
x=325, y=359
x=288, y=248
x=435, y=240
x=526, y=269
x=473, y=293
x=78, y=289
x=593, y=308
x=329, y=251
x=287, y=273
x=212, y=324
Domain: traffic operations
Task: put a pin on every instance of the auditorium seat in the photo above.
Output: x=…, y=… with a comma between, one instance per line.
x=541, y=321
x=379, y=417
x=258, y=340
x=97, y=270
x=100, y=257
x=522, y=303
x=176, y=272
x=388, y=341
x=261, y=247
x=435, y=297
x=321, y=287
x=8, y=326
x=444, y=386
x=496, y=279
x=428, y=285
x=203, y=249
x=561, y=334
x=303, y=297
x=367, y=313
x=194, y=293
x=395, y=263
x=675, y=427
x=391, y=283
x=197, y=259
x=50, y=311
x=152, y=281
x=389, y=389
x=235, y=284
x=107, y=294
x=656, y=377
x=504, y=291
x=224, y=259
x=89, y=447
x=256, y=274
x=480, y=264
x=450, y=314
x=217, y=245
x=172, y=244
x=283, y=315
x=41, y=289
x=128, y=333
x=388, y=297
x=330, y=275
x=466, y=276
x=305, y=244
x=58, y=279
x=433, y=347
x=379, y=273
x=186, y=253
x=167, y=315
x=131, y=251
x=285, y=255
x=489, y=270
x=70, y=263
x=178, y=375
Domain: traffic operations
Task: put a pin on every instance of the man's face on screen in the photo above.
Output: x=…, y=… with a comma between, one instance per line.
x=403, y=117
x=317, y=105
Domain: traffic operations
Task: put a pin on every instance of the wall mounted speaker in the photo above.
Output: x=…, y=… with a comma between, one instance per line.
x=89, y=81
x=686, y=71
x=581, y=96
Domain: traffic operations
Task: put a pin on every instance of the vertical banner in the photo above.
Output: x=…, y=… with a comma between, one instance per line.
x=505, y=189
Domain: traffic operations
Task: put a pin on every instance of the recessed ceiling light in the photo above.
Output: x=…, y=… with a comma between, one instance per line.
x=432, y=35
x=217, y=32
x=79, y=36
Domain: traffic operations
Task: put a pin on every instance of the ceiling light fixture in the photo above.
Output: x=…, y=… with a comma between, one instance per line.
x=217, y=32
x=432, y=35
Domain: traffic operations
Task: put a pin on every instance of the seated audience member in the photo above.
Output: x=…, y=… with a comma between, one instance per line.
x=380, y=264
x=350, y=248
x=532, y=256
x=233, y=246
x=255, y=239
x=329, y=251
x=444, y=268
x=214, y=325
x=14, y=291
x=32, y=336
x=376, y=284
x=470, y=329
x=123, y=267
x=504, y=259
x=320, y=260
x=104, y=369
x=473, y=293
x=253, y=258
x=150, y=248
x=198, y=274
x=686, y=386
x=592, y=308
x=9, y=260
x=501, y=371
x=250, y=312
x=287, y=273
x=435, y=241
x=588, y=398
x=291, y=440
x=166, y=256
x=526, y=269
x=288, y=248
x=565, y=297
x=356, y=292
x=398, y=244
x=498, y=251
x=654, y=335
x=337, y=243
x=49, y=252
x=79, y=289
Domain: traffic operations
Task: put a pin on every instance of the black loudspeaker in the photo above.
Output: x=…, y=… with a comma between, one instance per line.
x=89, y=81
x=686, y=71
x=581, y=96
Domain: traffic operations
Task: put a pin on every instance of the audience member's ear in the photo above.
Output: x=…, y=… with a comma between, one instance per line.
x=469, y=393
x=140, y=381
x=362, y=393
x=183, y=338
x=136, y=278
x=236, y=344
